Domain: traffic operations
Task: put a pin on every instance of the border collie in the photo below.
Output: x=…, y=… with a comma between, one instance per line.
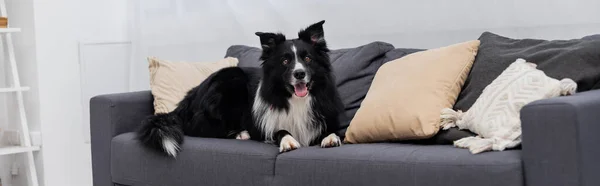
x=291, y=100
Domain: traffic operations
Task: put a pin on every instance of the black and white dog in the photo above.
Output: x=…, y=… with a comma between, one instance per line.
x=292, y=100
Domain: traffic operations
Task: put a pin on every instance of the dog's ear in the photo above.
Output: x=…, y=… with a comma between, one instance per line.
x=313, y=33
x=268, y=41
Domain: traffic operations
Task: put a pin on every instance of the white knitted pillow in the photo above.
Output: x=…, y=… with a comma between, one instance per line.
x=495, y=114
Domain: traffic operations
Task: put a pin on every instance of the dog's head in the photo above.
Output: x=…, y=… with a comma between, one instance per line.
x=295, y=63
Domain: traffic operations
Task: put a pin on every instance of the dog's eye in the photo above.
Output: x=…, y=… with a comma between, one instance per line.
x=307, y=59
x=285, y=62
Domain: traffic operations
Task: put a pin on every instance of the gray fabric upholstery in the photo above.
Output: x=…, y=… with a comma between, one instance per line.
x=354, y=69
x=202, y=161
x=560, y=140
x=578, y=59
x=207, y=161
x=111, y=115
x=246, y=55
x=445, y=137
x=397, y=164
x=597, y=36
x=398, y=53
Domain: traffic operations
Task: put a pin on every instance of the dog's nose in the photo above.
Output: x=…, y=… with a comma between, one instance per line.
x=299, y=74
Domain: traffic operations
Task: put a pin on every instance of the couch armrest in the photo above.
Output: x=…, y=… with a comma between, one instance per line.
x=111, y=115
x=560, y=140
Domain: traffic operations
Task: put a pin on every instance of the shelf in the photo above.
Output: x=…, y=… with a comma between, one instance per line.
x=9, y=30
x=17, y=149
x=14, y=89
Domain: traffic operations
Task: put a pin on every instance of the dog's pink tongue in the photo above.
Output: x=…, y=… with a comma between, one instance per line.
x=300, y=90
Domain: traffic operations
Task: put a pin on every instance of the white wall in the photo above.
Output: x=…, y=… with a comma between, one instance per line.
x=201, y=30
x=66, y=157
x=61, y=26
x=104, y=49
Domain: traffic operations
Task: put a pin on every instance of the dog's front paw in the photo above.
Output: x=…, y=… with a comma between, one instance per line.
x=288, y=143
x=331, y=141
x=244, y=135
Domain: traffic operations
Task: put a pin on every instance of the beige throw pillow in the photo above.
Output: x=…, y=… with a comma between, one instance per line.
x=170, y=81
x=407, y=94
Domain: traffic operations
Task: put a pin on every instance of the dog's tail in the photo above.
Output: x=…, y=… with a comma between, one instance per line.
x=162, y=132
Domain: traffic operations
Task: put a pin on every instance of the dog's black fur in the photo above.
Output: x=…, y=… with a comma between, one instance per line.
x=225, y=104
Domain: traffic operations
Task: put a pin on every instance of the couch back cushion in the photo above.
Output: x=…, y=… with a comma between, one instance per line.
x=578, y=59
x=354, y=69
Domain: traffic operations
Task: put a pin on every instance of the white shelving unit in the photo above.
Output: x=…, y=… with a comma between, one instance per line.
x=16, y=88
x=17, y=149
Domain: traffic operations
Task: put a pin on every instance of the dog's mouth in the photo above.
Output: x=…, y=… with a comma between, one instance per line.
x=301, y=89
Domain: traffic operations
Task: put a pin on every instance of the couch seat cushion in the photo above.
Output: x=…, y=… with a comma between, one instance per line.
x=397, y=164
x=203, y=161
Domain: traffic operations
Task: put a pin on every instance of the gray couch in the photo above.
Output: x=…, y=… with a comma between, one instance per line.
x=559, y=149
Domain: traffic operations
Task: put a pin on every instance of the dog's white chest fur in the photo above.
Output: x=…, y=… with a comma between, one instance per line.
x=297, y=120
